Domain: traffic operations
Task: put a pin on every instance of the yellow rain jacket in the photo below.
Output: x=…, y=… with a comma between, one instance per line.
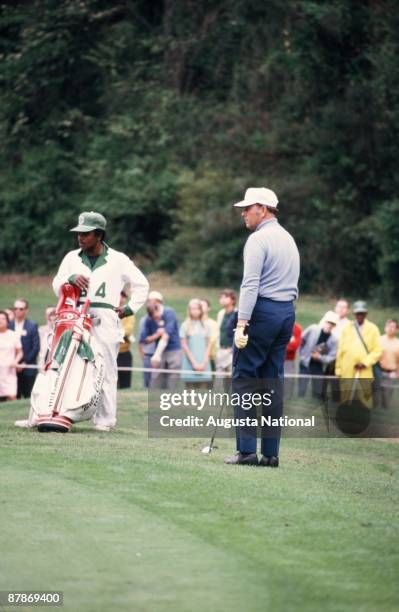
x=351, y=350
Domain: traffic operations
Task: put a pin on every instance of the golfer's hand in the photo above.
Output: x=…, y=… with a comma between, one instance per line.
x=80, y=281
x=240, y=337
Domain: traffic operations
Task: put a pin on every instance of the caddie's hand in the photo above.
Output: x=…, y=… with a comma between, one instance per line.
x=120, y=311
x=80, y=281
x=240, y=337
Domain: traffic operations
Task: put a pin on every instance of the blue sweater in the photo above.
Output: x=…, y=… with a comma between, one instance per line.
x=271, y=267
x=169, y=323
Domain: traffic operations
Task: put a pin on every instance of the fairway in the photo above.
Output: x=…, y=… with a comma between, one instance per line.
x=121, y=522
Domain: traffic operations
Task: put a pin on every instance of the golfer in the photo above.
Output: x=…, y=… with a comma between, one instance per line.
x=266, y=316
x=101, y=273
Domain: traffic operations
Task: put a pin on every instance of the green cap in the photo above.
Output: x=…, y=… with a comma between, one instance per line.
x=89, y=221
x=359, y=307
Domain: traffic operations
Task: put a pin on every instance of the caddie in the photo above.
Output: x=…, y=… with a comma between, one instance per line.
x=266, y=316
x=101, y=273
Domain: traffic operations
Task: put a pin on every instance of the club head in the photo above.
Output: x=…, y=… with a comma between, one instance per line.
x=206, y=450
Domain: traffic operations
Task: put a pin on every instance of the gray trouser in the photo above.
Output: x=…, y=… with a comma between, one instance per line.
x=171, y=360
x=289, y=383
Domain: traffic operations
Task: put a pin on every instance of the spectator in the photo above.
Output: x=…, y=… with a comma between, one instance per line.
x=227, y=321
x=10, y=355
x=292, y=347
x=341, y=309
x=290, y=356
x=28, y=333
x=318, y=349
x=146, y=350
x=125, y=358
x=389, y=361
x=214, y=327
x=10, y=313
x=45, y=332
x=162, y=327
x=359, y=349
x=196, y=339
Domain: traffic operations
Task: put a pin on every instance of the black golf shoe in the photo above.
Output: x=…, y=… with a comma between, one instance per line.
x=242, y=459
x=269, y=461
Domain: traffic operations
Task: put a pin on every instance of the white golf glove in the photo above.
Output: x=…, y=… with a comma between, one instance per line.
x=240, y=337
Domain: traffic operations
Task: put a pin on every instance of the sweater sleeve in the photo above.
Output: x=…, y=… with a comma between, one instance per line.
x=138, y=285
x=254, y=258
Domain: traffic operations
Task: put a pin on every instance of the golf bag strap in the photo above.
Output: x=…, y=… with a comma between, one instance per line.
x=361, y=338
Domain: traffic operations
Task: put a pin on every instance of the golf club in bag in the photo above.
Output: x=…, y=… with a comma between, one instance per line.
x=68, y=389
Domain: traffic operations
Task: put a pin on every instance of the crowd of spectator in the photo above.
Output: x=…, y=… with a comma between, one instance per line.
x=348, y=349
x=19, y=347
x=191, y=351
x=335, y=346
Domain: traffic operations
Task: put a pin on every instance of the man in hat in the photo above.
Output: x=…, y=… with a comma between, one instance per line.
x=359, y=346
x=359, y=349
x=101, y=273
x=161, y=327
x=265, y=315
x=318, y=349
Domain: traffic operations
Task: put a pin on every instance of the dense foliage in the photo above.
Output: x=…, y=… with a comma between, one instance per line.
x=160, y=114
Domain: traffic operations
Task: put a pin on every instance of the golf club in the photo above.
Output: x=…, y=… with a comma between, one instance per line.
x=208, y=449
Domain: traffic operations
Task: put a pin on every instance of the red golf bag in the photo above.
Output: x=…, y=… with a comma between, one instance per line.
x=68, y=389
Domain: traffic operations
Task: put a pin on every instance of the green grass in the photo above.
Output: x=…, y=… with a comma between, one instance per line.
x=119, y=521
x=122, y=522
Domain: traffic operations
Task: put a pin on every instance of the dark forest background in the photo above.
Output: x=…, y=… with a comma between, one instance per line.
x=161, y=114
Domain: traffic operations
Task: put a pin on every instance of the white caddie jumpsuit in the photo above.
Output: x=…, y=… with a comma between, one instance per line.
x=110, y=274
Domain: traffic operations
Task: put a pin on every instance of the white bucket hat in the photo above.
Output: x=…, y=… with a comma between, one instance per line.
x=259, y=195
x=330, y=317
x=155, y=295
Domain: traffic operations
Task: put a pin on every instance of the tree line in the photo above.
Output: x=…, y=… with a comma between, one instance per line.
x=160, y=114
